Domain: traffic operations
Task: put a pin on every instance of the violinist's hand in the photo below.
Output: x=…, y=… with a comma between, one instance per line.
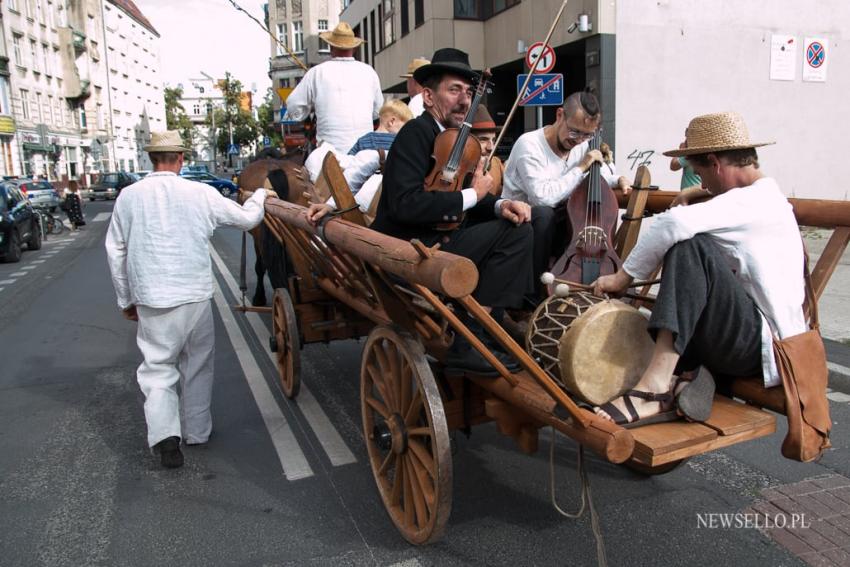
x=607, y=154
x=688, y=195
x=615, y=284
x=316, y=211
x=482, y=182
x=624, y=185
x=589, y=158
x=516, y=212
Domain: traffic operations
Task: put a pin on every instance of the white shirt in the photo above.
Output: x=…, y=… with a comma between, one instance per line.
x=346, y=96
x=416, y=105
x=538, y=176
x=755, y=228
x=158, y=240
x=356, y=168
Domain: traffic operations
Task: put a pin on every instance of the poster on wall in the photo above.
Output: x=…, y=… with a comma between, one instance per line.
x=815, y=58
x=783, y=57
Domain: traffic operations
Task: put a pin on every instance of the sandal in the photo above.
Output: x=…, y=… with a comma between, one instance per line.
x=634, y=419
x=695, y=395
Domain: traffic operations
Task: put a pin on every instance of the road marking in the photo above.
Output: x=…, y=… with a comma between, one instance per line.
x=330, y=439
x=100, y=217
x=27, y=268
x=292, y=459
x=838, y=397
x=38, y=261
x=838, y=369
x=17, y=274
x=2, y=288
x=4, y=282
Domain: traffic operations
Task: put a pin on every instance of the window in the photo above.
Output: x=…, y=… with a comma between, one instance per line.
x=297, y=37
x=481, y=9
x=37, y=115
x=50, y=109
x=284, y=83
x=100, y=125
x=13, y=5
x=83, y=121
x=405, y=18
x=196, y=109
x=51, y=16
x=283, y=38
x=30, y=9
x=418, y=12
x=388, y=35
x=16, y=49
x=323, y=46
x=39, y=12
x=25, y=104
x=45, y=56
x=34, y=57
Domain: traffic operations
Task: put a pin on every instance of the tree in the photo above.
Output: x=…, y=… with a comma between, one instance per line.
x=267, y=121
x=233, y=118
x=176, y=117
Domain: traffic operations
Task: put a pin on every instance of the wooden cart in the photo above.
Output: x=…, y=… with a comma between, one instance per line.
x=350, y=281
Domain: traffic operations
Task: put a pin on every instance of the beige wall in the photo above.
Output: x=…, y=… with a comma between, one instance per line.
x=677, y=59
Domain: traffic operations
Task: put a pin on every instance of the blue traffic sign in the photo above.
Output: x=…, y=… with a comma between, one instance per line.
x=233, y=149
x=267, y=141
x=542, y=90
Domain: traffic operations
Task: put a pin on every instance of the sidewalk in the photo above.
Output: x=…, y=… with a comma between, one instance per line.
x=834, y=310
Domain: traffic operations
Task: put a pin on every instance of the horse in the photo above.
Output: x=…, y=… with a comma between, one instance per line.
x=282, y=174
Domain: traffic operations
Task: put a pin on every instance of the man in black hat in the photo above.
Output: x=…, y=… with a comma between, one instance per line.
x=495, y=233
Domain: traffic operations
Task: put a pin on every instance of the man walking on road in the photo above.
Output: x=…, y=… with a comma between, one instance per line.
x=158, y=250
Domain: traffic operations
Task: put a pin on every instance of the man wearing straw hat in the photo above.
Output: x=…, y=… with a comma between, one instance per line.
x=345, y=94
x=414, y=89
x=733, y=276
x=158, y=251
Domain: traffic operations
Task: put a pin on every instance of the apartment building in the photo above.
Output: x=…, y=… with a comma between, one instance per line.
x=133, y=82
x=201, y=96
x=297, y=24
x=655, y=64
x=8, y=143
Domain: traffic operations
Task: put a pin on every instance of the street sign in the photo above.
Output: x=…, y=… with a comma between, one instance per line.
x=233, y=149
x=284, y=92
x=267, y=141
x=542, y=90
x=547, y=63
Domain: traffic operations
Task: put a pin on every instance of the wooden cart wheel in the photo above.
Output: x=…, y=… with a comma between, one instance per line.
x=285, y=343
x=406, y=434
x=648, y=470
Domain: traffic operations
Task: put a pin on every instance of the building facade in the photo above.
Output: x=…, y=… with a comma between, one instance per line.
x=655, y=65
x=200, y=96
x=8, y=142
x=297, y=24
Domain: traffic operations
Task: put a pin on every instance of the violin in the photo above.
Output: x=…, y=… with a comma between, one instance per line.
x=457, y=153
x=592, y=209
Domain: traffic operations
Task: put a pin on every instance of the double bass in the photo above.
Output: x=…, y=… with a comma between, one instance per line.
x=457, y=153
x=592, y=209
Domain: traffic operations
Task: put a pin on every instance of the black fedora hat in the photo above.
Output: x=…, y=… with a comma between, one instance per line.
x=447, y=61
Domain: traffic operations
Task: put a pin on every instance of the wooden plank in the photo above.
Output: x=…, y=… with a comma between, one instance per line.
x=662, y=438
x=332, y=175
x=628, y=233
x=729, y=417
x=752, y=391
x=829, y=259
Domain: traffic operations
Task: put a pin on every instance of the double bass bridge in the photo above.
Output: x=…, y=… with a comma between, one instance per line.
x=592, y=236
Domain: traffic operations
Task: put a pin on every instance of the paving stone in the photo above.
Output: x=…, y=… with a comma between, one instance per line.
x=790, y=541
x=816, y=560
x=838, y=556
x=841, y=493
x=841, y=522
x=837, y=505
x=832, y=481
x=830, y=532
x=798, y=488
x=816, y=508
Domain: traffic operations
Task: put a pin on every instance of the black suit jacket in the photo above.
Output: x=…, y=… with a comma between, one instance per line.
x=405, y=209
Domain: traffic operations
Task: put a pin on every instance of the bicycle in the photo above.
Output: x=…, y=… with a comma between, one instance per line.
x=52, y=224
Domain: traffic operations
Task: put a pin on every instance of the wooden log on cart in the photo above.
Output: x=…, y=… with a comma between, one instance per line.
x=450, y=275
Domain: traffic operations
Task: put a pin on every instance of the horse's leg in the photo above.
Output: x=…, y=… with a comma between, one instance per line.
x=259, y=299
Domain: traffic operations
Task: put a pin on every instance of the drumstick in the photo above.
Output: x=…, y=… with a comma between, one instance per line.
x=563, y=287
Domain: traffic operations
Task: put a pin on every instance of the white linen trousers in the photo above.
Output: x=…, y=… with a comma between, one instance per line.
x=178, y=344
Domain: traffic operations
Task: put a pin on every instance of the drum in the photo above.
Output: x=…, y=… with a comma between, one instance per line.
x=596, y=349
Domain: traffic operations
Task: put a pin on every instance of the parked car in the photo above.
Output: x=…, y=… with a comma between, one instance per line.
x=143, y=173
x=224, y=186
x=19, y=223
x=40, y=193
x=186, y=169
x=109, y=185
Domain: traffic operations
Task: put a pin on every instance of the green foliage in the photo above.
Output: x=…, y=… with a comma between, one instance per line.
x=232, y=117
x=267, y=120
x=176, y=117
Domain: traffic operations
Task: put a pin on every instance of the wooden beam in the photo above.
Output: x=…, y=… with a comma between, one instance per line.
x=829, y=259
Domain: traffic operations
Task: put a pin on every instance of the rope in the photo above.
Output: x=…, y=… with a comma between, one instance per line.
x=586, y=499
x=289, y=53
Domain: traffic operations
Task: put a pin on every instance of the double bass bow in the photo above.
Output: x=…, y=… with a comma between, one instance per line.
x=592, y=209
x=457, y=153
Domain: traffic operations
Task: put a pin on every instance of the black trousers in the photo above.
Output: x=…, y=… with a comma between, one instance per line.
x=502, y=252
x=714, y=322
x=552, y=235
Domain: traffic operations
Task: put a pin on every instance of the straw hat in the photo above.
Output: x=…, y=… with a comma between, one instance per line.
x=413, y=66
x=342, y=37
x=716, y=133
x=447, y=61
x=483, y=122
x=167, y=141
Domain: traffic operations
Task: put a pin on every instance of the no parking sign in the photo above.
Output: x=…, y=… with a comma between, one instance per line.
x=815, y=59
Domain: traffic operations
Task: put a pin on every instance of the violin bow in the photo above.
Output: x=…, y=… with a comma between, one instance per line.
x=524, y=86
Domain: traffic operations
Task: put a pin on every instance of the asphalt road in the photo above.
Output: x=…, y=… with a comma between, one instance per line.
x=287, y=483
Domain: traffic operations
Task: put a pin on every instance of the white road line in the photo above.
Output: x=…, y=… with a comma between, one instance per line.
x=330, y=439
x=17, y=274
x=2, y=288
x=838, y=397
x=5, y=282
x=100, y=217
x=38, y=261
x=292, y=459
x=838, y=369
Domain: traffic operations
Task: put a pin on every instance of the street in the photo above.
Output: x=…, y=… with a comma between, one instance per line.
x=288, y=483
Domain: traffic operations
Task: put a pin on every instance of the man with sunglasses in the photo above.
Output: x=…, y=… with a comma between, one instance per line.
x=547, y=165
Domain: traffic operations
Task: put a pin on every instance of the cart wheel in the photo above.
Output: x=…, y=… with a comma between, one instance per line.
x=286, y=343
x=406, y=434
x=648, y=470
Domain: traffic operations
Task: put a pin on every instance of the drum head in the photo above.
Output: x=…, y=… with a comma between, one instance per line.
x=604, y=352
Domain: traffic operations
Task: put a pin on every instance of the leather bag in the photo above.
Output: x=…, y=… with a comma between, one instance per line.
x=801, y=361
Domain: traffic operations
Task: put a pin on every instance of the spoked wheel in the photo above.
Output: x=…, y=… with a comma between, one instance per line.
x=56, y=226
x=285, y=343
x=648, y=470
x=406, y=434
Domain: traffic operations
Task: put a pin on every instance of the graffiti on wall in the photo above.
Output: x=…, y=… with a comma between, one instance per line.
x=640, y=157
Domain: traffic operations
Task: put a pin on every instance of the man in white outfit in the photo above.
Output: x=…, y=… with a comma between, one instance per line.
x=344, y=93
x=414, y=89
x=158, y=251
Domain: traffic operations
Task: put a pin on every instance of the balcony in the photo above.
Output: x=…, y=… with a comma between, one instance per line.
x=79, y=40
